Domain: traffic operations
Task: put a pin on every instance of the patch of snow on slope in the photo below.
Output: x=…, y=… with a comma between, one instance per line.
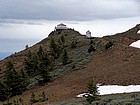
x=113, y=89
x=83, y=95
x=136, y=44
x=139, y=32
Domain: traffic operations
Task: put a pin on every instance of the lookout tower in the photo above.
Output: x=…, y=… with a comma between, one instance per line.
x=61, y=27
x=88, y=34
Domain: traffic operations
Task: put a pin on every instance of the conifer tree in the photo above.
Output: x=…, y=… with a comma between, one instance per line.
x=23, y=74
x=26, y=47
x=39, y=64
x=12, y=83
x=31, y=63
x=3, y=91
x=44, y=66
x=65, y=57
x=15, y=85
x=62, y=39
x=55, y=49
x=93, y=92
x=40, y=52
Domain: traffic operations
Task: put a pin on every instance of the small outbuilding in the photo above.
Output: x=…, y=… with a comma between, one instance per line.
x=88, y=34
x=61, y=27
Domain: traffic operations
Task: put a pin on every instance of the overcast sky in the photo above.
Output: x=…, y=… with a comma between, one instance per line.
x=69, y=9
x=28, y=21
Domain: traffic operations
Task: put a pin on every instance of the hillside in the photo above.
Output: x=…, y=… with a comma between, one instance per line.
x=113, y=62
x=78, y=55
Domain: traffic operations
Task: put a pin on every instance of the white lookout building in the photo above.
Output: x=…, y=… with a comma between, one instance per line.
x=88, y=34
x=61, y=27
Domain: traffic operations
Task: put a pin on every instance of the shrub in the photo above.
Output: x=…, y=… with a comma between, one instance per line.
x=73, y=44
x=108, y=45
x=7, y=103
x=91, y=42
x=43, y=97
x=90, y=99
x=73, y=66
x=33, y=98
x=91, y=48
x=17, y=101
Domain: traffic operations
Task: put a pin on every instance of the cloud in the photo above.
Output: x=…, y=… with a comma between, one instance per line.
x=68, y=10
x=19, y=21
x=23, y=30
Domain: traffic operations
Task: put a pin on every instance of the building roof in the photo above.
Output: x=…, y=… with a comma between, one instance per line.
x=61, y=27
x=88, y=32
x=61, y=24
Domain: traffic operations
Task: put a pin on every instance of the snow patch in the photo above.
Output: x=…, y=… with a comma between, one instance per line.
x=138, y=32
x=136, y=44
x=113, y=89
x=83, y=95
